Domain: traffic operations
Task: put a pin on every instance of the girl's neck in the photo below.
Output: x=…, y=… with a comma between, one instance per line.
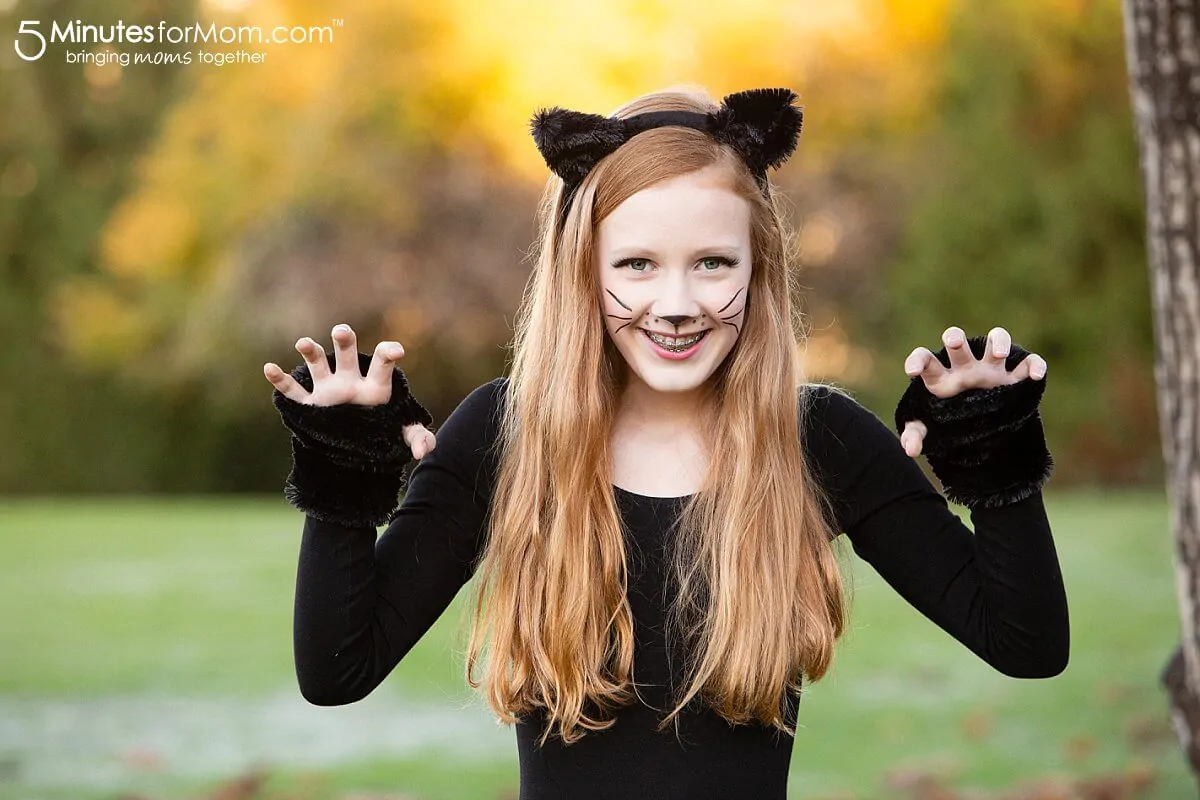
x=658, y=413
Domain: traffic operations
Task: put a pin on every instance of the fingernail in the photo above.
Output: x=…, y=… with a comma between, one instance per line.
x=343, y=328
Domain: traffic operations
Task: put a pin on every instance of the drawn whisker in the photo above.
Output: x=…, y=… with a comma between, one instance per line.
x=733, y=316
x=614, y=297
x=735, y=294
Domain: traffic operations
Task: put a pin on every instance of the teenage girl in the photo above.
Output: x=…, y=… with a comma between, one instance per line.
x=651, y=498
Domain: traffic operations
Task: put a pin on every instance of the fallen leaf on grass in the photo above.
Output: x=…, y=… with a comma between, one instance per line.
x=977, y=725
x=143, y=759
x=1146, y=731
x=1079, y=748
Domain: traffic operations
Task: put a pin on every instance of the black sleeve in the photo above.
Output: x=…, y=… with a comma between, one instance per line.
x=361, y=605
x=999, y=590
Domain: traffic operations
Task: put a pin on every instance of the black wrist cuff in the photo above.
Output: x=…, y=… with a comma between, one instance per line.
x=986, y=446
x=363, y=437
x=348, y=460
x=351, y=497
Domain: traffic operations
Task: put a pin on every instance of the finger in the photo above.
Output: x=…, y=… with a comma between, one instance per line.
x=921, y=361
x=955, y=339
x=345, y=348
x=913, y=437
x=285, y=383
x=420, y=440
x=1032, y=366
x=383, y=364
x=999, y=344
x=314, y=356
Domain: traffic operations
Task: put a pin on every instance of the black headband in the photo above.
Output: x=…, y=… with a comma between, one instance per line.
x=761, y=125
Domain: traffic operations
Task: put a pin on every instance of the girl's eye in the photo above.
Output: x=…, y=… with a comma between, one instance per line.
x=719, y=260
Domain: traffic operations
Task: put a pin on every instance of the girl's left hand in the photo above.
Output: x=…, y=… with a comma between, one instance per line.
x=965, y=372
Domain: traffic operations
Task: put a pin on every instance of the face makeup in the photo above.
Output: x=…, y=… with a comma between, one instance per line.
x=674, y=264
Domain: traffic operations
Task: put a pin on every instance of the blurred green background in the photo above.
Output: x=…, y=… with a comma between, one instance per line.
x=165, y=229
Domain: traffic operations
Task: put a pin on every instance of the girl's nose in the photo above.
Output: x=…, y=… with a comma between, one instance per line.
x=676, y=319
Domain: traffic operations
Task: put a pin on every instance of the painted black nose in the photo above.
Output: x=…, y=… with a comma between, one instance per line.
x=676, y=319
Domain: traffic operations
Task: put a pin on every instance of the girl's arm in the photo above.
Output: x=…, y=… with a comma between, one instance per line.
x=361, y=604
x=998, y=590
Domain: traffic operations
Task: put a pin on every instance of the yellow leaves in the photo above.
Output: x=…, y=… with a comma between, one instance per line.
x=338, y=131
x=828, y=353
x=820, y=236
x=242, y=143
x=93, y=323
x=914, y=23
x=508, y=59
x=149, y=237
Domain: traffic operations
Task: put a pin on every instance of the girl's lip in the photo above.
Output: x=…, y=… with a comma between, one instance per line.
x=664, y=353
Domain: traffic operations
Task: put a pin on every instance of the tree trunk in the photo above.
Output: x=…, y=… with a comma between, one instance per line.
x=1163, y=52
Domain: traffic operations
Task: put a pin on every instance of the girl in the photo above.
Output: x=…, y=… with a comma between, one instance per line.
x=650, y=499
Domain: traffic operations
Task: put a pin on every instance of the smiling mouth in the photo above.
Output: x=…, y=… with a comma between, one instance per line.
x=675, y=344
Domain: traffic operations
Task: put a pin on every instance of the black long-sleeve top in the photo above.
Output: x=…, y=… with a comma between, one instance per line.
x=362, y=604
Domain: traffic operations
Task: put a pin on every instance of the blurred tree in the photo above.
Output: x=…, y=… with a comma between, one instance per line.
x=387, y=179
x=1023, y=196
x=67, y=137
x=1163, y=41
x=380, y=179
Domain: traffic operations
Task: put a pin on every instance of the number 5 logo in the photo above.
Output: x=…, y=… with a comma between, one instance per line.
x=25, y=28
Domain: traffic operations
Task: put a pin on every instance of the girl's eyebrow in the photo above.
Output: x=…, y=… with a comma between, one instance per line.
x=731, y=250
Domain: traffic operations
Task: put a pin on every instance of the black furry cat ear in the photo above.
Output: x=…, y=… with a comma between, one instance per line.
x=762, y=125
x=571, y=142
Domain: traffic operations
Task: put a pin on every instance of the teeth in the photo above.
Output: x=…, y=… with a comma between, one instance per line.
x=673, y=344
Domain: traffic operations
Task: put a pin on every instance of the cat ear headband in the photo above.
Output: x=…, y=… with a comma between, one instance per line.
x=761, y=125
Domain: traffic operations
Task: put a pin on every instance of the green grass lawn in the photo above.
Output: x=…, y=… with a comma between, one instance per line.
x=146, y=647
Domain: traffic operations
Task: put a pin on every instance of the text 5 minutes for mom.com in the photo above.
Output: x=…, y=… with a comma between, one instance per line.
x=32, y=40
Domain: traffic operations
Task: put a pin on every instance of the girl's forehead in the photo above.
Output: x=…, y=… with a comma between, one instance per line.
x=674, y=215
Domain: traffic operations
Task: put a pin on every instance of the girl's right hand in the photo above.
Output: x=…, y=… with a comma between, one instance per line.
x=346, y=384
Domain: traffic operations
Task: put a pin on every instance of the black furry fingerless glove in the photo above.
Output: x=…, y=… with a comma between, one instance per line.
x=348, y=460
x=986, y=446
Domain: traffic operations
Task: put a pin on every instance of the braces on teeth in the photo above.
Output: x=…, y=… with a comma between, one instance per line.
x=675, y=345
